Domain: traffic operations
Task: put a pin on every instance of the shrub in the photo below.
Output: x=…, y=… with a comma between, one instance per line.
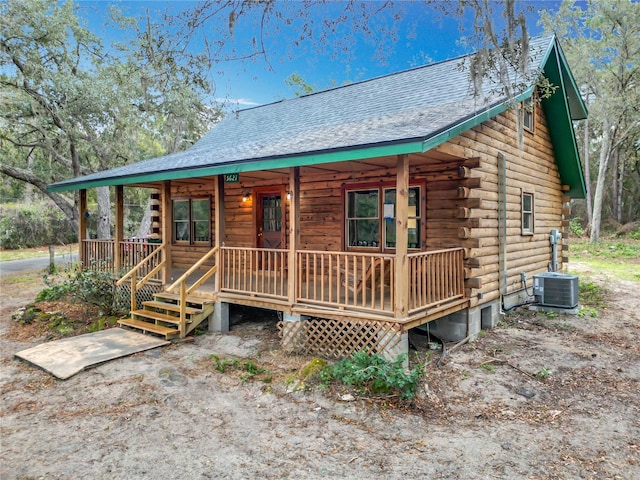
x=575, y=227
x=87, y=286
x=374, y=374
x=25, y=226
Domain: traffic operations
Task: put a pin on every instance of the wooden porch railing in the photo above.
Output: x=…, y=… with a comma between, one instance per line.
x=133, y=250
x=256, y=271
x=347, y=280
x=98, y=255
x=148, y=268
x=435, y=277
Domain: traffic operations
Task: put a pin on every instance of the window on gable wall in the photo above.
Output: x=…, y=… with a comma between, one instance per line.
x=192, y=220
x=371, y=222
x=528, y=114
x=527, y=213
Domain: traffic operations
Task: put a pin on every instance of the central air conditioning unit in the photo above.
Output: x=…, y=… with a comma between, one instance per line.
x=553, y=289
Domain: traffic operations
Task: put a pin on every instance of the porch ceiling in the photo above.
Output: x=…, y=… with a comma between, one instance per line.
x=281, y=175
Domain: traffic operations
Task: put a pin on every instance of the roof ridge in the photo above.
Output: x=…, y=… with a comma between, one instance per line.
x=376, y=78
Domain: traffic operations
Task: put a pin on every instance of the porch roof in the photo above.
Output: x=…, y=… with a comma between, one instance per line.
x=407, y=112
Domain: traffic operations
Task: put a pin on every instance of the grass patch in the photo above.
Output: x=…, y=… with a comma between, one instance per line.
x=22, y=278
x=617, y=269
x=38, y=252
x=619, y=258
x=592, y=295
x=613, y=249
x=246, y=369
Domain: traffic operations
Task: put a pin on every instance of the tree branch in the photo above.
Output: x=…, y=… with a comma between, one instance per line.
x=26, y=176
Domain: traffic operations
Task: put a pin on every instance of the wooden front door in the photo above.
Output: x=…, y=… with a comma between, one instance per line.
x=269, y=220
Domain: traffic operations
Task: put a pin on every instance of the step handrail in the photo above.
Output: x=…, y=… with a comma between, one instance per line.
x=184, y=291
x=195, y=267
x=138, y=266
x=133, y=274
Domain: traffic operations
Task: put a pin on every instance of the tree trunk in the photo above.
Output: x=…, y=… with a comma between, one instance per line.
x=52, y=258
x=587, y=168
x=619, y=182
x=614, y=183
x=65, y=205
x=145, y=224
x=104, y=213
x=605, y=153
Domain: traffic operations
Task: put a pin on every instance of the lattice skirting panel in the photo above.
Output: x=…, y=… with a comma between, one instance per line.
x=338, y=338
x=122, y=296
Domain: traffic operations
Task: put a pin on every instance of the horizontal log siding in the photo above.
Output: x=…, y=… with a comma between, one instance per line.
x=320, y=214
x=461, y=203
x=531, y=169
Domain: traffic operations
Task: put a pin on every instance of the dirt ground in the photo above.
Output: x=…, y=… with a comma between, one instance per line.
x=169, y=414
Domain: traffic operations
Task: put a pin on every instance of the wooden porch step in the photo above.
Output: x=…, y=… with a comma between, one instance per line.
x=171, y=307
x=175, y=297
x=157, y=316
x=149, y=327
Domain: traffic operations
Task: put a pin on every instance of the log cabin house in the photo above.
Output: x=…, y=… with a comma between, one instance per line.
x=358, y=213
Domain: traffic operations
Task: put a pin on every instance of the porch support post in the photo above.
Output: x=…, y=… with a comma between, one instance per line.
x=294, y=336
x=402, y=237
x=218, y=205
x=219, y=320
x=294, y=233
x=82, y=226
x=119, y=230
x=166, y=230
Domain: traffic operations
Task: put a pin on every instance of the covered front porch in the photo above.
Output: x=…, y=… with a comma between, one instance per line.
x=378, y=272
x=334, y=284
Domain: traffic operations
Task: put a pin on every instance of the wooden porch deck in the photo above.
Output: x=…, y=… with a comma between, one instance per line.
x=338, y=285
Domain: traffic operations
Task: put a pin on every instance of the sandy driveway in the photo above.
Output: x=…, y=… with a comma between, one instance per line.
x=169, y=414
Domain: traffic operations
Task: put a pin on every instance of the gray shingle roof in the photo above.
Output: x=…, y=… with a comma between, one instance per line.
x=394, y=109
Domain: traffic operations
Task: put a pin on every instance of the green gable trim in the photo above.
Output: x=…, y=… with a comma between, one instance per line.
x=565, y=149
x=407, y=147
x=577, y=108
x=560, y=109
x=471, y=122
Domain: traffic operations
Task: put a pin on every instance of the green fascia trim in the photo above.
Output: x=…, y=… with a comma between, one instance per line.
x=561, y=131
x=411, y=146
x=550, y=49
x=577, y=100
x=471, y=122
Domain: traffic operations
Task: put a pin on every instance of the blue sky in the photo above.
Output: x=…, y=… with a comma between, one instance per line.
x=424, y=36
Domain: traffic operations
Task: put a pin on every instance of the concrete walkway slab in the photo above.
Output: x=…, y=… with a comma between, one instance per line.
x=64, y=358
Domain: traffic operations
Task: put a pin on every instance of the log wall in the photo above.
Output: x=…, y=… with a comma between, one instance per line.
x=531, y=169
x=461, y=200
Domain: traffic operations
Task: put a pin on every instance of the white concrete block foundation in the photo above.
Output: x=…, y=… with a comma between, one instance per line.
x=219, y=320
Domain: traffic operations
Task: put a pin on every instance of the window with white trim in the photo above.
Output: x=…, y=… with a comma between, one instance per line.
x=527, y=213
x=371, y=218
x=192, y=220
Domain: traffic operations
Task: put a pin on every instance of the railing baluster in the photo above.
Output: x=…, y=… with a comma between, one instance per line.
x=345, y=279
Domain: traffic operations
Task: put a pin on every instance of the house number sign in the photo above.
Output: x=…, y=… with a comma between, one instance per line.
x=231, y=177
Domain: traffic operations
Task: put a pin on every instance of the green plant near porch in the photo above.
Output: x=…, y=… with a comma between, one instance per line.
x=91, y=287
x=374, y=374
